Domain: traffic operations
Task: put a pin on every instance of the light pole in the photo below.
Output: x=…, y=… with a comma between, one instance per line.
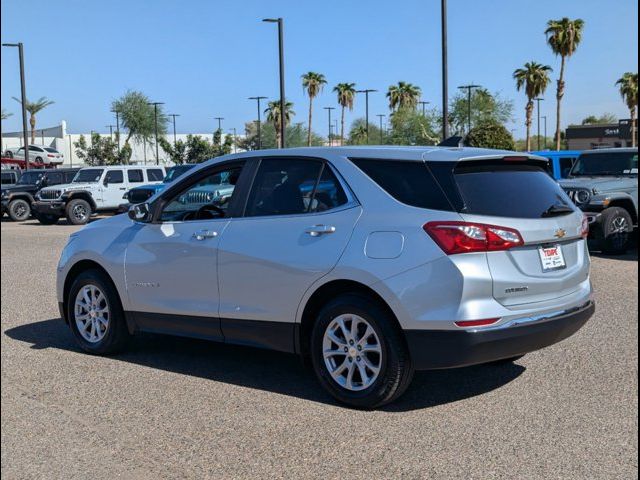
x=424, y=108
x=280, y=23
x=110, y=127
x=544, y=117
x=219, y=119
x=381, y=116
x=257, y=99
x=366, y=97
x=468, y=88
x=173, y=116
x=328, y=109
x=117, y=128
x=23, y=96
x=445, y=74
x=155, y=117
x=538, y=100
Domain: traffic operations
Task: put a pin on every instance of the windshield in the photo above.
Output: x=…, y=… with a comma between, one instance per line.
x=606, y=163
x=88, y=175
x=175, y=172
x=30, y=178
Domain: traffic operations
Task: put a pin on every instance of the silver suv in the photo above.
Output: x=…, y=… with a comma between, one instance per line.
x=370, y=262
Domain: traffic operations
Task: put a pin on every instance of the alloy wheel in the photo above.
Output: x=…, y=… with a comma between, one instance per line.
x=91, y=313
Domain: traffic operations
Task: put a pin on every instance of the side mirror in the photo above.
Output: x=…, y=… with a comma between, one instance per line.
x=105, y=182
x=140, y=213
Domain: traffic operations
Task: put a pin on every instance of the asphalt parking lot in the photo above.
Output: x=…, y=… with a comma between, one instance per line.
x=178, y=408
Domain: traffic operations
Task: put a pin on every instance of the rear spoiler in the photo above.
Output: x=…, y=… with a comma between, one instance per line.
x=455, y=141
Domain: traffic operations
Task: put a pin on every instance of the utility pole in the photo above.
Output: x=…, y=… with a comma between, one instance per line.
x=257, y=99
x=544, y=117
x=173, y=116
x=117, y=128
x=468, y=88
x=328, y=109
x=424, y=108
x=366, y=96
x=538, y=100
x=155, y=117
x=381, y=116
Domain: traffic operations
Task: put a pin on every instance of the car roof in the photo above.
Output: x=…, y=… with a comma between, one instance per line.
x=610, y=150
x=125, y=167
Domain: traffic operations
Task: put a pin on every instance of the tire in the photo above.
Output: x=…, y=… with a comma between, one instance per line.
x=78, y=211
x=38, y=160
x=9, y=154
x=617, y=227
x=393, y=363
x=47, y=218
x=105, y=331
x=19, y=210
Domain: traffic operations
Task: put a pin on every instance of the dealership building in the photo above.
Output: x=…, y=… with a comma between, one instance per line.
x=586, y=137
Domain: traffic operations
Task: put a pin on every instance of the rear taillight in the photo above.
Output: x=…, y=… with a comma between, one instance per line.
x=476, y=323
x=50, y=156
x=464, y=237
x=585, y=227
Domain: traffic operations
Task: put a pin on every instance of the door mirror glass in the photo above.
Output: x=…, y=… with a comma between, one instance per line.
x=140, y=213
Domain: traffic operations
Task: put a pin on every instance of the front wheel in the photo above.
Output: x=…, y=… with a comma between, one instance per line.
x=19, y=210
x=78, y=211
x=358, y=353
x=616, y=230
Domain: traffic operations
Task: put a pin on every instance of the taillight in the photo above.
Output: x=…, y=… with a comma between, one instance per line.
x=585, y=227
x=476, y=323
x=464, y=237
x=50, y=156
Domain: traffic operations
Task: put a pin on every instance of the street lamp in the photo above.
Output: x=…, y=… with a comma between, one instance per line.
x=219, y=119
x=538, y=100
x=366, y=96
x=257, y=99
x=280, y=23
x=23, y=96
x=544, y=117
x=155, y=118
x=173, y=116
x=424, y=108
x=328, y=109
x=468, y=88
x=117, y=112
x=110, y=127
x=445, y=75
x=381, y=116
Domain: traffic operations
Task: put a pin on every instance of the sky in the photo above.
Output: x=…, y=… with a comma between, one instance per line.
x=204, y=58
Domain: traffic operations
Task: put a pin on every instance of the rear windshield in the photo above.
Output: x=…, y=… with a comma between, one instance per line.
x=500, y=190
x=606, y=163
x=51, y=150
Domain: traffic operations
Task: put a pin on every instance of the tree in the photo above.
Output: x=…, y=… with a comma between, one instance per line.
x=485, y=107
x=490, y=134
x=33, y=108
x=628, y=85
x=196, y=149
x=534, y=79
x=346, y=95
x=312, y=83
x=101, y=151
x=296, y=136
x=358, y=132
x=563, y=36
x=6, y=114
x=403, y=95
x=138, y=118
x=408, y=127
x=273, y=116
x=602, y=119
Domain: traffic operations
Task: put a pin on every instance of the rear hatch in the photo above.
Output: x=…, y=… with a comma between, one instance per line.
x=517, y=193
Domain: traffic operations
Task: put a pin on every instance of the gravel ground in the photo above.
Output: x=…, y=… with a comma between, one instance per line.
x=178, y=408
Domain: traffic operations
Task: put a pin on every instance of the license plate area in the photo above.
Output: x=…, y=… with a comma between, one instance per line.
x=552, y=258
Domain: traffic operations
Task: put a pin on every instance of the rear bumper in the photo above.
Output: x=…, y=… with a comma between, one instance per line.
x=434, y=349
x=49, y=208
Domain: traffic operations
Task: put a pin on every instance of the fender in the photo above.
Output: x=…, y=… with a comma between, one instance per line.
x=81, y=194
x=21, y=195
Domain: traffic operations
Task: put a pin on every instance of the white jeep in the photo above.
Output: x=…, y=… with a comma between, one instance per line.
x=93, y=190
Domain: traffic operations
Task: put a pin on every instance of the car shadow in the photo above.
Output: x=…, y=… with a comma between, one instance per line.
x=267, y=370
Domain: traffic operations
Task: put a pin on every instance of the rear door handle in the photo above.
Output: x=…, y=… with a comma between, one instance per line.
x=204, y=234
x=318, y=230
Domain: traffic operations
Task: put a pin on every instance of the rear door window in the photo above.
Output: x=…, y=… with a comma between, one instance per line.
x=114, y=176
x=135, y=176
x=155, y=174
x=54, y=178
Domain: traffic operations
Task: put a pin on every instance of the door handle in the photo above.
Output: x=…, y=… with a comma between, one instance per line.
x=318, y=230
x=204, y=234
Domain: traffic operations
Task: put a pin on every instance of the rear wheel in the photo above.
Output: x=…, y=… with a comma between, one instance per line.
x=47, y=218
x=95, y=314
x=78, y=211
x=358, y=353
x=616, y=230
x=19, y=210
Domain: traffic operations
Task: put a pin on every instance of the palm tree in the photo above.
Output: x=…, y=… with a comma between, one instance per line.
x=312, y=82
x=403, y=95
x=628, y=85
x=33, y=108
x=534, y=79
x=346, y=95
x=5, y=114
x=273, y=115
x=563, y=36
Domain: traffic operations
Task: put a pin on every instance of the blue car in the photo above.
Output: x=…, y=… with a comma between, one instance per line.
x=560, y=162
x=143, y=193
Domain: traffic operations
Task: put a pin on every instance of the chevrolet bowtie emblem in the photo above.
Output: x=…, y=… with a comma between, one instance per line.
x=560, y=233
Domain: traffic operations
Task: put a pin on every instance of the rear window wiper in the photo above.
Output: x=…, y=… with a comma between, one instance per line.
x=556, y=210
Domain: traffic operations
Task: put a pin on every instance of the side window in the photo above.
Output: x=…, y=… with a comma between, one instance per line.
x=7, y=178
x=208, y=198
x=135, y=176
x=565, y=166
x=34, y=149
x=155, y=174
x=114, y=176
x=54, y=178
x=293, y=186
x=68, y=177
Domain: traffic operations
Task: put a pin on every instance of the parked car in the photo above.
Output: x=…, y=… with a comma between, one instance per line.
x=398, y=259
x=40, y=154
x=93, y=190
x=560, y=162
x=604, y=184
x=18, y=199
x=145, y=192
